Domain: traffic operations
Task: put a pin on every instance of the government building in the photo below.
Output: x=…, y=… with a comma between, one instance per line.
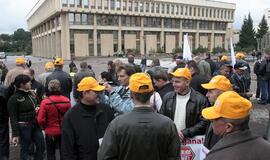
x=82, y=28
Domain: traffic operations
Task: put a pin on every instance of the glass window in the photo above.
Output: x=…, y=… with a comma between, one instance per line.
x=152, y=22
x=168, y=8
x=177, y=10
x=199, y=12
x=93, y=4
x=129, y=5
x=71, y=18
x=190, y=11
x=64, y=2
x=146, y=7
x=202, y=12
x=79, y=3
x=189, y=24
x=106, y=4
x=141, y=6
x=77, y=18
x=71, y=3
x=117, y=4
x=162, y=8
x=157, y=8
x=136, y=6
x=86, y=3
x=84, y=19
x=91, y=19
x=172, y=9
x=152, y=7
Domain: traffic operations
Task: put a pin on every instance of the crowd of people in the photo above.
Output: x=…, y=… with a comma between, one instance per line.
x=132, y=111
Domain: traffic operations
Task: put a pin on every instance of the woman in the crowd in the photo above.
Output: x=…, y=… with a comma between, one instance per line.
x=50, y=116
x=22, y=107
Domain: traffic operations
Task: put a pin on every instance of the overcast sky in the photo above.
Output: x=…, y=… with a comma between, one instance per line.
x=13, y=12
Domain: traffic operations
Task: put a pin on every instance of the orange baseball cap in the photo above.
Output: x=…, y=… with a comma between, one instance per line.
x=228, y=105
x=59, y=62
x=219, y=82
x=20, y=60
x=140, y=83
x=89, y=83
x=49, y=65
x=182, y=72
x=225, y=58
x=240, y=55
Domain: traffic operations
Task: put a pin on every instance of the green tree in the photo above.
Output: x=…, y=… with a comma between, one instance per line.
x=263, y=28
x=247, y=34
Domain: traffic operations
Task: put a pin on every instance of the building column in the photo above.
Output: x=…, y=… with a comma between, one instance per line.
x=181, y=34
x=228, y=36
x=197, y=36
x=212, y=44
x=142, y=38
x=58, y=44
x=162, y=46
x=65, y=37
x=120, y=33
x=95, y=35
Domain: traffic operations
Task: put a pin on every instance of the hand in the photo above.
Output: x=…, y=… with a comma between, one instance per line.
x=15, y=140
x=108, y=87
x=181, y=136
x=249, y=94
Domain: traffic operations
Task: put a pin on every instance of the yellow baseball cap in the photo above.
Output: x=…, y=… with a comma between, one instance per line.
x=20, y=60
x=140, y=83
x=59, y=62
x=49, y=65
x=228, y=105
x=89, y=83
x=182, y=72
x=225, y=58
x=219, y=82
x=240, y=55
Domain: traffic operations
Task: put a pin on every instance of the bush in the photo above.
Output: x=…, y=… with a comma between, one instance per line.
x=200, y=50
x=218, y=50
x=177, y=50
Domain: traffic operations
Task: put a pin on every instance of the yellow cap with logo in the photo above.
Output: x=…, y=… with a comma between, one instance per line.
x=59, y=62
x=49, y=65
x=89, y=83
x=228, y=105
x=182, y=72
x=20, y=60
x=140, y=83
x=224, y=58
x=219, y=82
x=240, y=55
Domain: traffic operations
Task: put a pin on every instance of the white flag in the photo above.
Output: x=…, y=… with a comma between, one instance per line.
x=232, y=53
x=186, y=49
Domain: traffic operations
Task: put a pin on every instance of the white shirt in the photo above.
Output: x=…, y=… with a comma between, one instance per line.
x=180, y=111
x=155, y=99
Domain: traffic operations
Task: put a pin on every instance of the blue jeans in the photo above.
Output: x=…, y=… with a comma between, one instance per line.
x=265, y=91
x=4, y=141
x=31, y=133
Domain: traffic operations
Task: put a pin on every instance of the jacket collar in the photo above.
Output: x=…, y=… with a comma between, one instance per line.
x=166, y=85
x=87, y=114
x=233, y=139
x=192, y=97
x=143, y=109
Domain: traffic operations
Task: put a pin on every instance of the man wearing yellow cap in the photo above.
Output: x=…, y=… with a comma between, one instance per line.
x=142, y=133
x=49, y=67
x=230, y=118
x=184, y=105
x=85, y=124
x=63, y=77
x=240, y=58
x=13, y=73
x=218, y=85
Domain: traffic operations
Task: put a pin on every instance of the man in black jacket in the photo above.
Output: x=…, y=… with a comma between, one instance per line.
x=256, y=70
x=85, y=124
x=141, y=134
x=4, y=127
x=161, y=80
x=184, y=105
x=63, y=77
x=265, y=77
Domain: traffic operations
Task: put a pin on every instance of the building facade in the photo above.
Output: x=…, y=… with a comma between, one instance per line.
x=81, y=28
x=267, y=16
x=265, y=42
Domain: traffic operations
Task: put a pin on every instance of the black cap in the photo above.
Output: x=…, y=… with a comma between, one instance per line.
x=240, y=66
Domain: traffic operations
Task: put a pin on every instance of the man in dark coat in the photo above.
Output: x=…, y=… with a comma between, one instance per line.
x=84, y=125
x=184, y=105
x=162, y=83
x=230, y=118
x=63, y=77
x=142, y=133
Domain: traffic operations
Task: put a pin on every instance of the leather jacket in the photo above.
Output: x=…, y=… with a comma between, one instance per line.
x=195, y=124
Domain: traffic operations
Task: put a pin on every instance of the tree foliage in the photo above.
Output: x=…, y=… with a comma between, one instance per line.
x=263, y=28
x=247, y=34
x=19, y=41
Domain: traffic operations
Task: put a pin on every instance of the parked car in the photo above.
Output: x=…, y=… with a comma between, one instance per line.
x=3, y=55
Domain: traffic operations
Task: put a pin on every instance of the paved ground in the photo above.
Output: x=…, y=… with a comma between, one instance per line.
x=259, y=115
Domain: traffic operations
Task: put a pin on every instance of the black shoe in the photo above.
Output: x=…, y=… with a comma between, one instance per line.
x=262, y=103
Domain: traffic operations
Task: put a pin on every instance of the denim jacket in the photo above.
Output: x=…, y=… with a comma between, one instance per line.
x=121, y=104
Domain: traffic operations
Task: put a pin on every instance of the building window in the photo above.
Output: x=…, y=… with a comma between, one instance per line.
x=118, y=4
x=86, y=3
x=71, y=3
x=91, y=19
x=152, y=22
x=172, y=12
x=189, y=24
x=141, y=6
x=64, y=2
x=199, y=12
x=220, y=26
x=162, y=8
x=78, y=18
x=177, y=10
x=190, y=11
x=171, y=23
x=84, y=19
x=106, y=4
x=93, y=4
x=206, y=12
x=79, y=3
x=181, y=10
x=152, y=7
x=168, y=8
x=107, y=20
x=147, y=7
x=202, y=12
x=157, y=8
x=71, y=18
x=136, y=6
x=205, y=25
x=112, y=4
x=129, y=5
